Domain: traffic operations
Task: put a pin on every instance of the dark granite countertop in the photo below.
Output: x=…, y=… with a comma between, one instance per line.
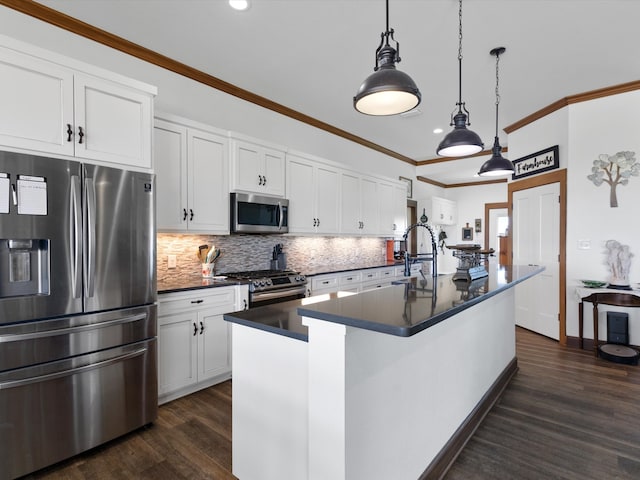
x=194, y=282
x=403, y=309
x=321, y=270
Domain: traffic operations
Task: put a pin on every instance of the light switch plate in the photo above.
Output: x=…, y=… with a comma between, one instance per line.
x=584, y=244
x=171, y=261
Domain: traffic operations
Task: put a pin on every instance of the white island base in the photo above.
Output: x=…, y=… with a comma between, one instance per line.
x=354, y=404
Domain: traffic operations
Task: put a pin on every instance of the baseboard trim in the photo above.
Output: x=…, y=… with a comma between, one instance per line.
x=445, y=458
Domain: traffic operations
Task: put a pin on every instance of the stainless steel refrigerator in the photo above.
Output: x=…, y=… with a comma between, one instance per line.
x=77, y=308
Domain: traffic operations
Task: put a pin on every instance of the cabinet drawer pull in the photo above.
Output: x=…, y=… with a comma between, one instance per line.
x=325, y=282
x=69, y=132
x=197, y=301
x=80, y=134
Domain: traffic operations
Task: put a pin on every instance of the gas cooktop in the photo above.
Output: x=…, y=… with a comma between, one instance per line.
x=265, y=280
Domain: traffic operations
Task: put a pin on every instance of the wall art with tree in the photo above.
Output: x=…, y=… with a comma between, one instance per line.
x=614, y=170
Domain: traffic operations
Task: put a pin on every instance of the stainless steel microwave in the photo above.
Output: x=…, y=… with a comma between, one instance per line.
x=252, y=213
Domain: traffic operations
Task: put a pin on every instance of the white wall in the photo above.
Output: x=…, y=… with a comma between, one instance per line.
x=583, y=131
x=187, y=98
x=471, y=202
x=607, y=125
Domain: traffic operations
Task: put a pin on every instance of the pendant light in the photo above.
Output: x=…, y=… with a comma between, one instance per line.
x=497, y=164
x=460, y=141
x=387, y=91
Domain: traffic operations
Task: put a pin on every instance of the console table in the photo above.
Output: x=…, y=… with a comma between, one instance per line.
x=619, y=298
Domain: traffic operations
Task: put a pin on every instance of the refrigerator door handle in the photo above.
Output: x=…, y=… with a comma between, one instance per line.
x=90, y=225
x=71, y=371
x=75, y=232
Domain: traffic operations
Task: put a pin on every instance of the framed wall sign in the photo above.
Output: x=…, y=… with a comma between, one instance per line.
x=409, y=183
x=538, y=162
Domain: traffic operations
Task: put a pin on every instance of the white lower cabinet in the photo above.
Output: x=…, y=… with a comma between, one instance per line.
x=358, y=280
x=194, y=340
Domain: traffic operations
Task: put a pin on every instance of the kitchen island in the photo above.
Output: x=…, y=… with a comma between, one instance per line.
x=384, y=384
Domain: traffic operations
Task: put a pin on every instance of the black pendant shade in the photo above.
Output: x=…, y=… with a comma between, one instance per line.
x=497, y=164
x=460, y=141
x=387, y=91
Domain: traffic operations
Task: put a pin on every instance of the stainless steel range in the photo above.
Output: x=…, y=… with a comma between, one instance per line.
x=272, y=286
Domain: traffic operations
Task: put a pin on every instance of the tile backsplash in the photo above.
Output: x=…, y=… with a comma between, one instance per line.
x=253, y=252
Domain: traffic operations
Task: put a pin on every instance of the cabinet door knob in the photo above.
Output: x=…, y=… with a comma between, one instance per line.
x=201, y=328
x=69, y=132
x=195, y=329
x=80, y=134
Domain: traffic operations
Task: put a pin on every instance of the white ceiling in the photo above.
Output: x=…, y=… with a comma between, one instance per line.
x=312, y=55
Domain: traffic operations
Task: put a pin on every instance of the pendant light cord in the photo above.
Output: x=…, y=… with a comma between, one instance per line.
x=460, y=57
x=497, y=89
x=387, y=22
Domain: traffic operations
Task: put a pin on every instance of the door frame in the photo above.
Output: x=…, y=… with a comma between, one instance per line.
x=558, y=176
x=487, y=213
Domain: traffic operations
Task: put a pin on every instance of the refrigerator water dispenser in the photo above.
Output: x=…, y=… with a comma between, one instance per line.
x=24, y=267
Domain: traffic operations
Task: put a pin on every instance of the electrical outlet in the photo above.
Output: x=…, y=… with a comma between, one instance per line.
x=171, y=261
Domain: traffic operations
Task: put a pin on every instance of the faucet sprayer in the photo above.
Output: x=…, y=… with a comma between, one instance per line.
x=433, y=256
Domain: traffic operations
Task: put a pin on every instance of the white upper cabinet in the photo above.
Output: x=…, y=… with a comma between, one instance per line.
x=443, y=211
x=313, y=193
x=192, y=171
x=37, y=104
x=386, y=208
x=51, y=108
x=399, y=210
x=113, y=123
x=359, y=204
x=257, y=168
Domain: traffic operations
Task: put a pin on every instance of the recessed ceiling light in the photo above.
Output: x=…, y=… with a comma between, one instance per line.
x=239, y=4
x=437, y=130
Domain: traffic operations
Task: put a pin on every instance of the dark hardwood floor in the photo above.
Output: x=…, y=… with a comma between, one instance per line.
x=565, y=415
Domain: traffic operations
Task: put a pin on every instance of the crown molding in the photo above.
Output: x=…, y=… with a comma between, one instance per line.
x=580, y=97
x=464, y=184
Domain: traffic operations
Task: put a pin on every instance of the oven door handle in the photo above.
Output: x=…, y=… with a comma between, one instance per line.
x=260, y=296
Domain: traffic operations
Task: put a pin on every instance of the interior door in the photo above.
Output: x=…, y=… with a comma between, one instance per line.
x=536, y=241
